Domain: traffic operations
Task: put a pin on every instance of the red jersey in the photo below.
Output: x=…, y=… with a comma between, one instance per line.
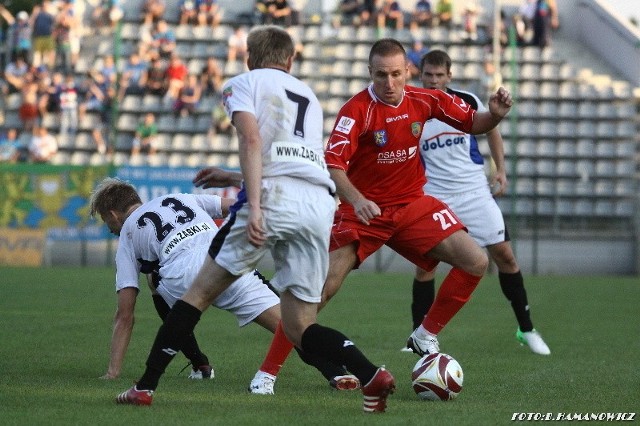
x=177, y=72
x=376, y=144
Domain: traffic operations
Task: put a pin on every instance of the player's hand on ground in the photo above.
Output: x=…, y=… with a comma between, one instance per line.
x=215, y=177
x=366, y=210
x=109, y=376
x=255, y=227
x=500, y=102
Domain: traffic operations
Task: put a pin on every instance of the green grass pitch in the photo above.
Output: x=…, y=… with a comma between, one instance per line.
x=56, y=326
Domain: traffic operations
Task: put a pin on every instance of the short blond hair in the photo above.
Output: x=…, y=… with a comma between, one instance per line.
x=269, y=45
x=113, y=194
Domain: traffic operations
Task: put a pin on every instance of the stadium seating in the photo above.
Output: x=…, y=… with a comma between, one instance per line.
x=573, y=142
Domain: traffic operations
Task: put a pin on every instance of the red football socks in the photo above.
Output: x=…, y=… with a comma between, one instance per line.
x=278, y=352
x=454, y=292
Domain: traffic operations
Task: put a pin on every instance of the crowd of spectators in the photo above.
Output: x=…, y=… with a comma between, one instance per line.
x=43, y=45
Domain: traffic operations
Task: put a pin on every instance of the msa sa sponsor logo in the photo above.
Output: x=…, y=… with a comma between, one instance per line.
x=396, y=156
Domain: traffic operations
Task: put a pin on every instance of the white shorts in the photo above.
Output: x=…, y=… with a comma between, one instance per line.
x=298, y=216
x=246, y=298
x=480, y=213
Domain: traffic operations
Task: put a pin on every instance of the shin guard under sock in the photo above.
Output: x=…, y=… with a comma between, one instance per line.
x=278, y=352
x=422, y=293
x=171, y=336
x=334, y=346
x=454, y=292
x=190, y=348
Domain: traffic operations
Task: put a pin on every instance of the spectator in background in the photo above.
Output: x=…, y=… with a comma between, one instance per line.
x=156, y=82
x=42, y=78
x=220, y=121
x=528, y=10
x=28, y=111
x=414, y=55
x=209, y=12
x=101, y=130
x=65, y=29
x=95, y=98
x=390, y=15
x=108, y=69
x=519, y=28
x=297, y=45
x=44, y=45
x=68, y=96
x=176, y=74
x=145, y=136
x=43, y=146
x=164, y=40
x=18, y=33
x=421, y=16
x=444, y=11
x=106, y=14
x=54, y=90
x=153, y=11
x=6, y=47
x=10, y=146
x=15, y=72
x=188, y=12
x=280, y=13
x=348, y=13
x=260, y=11
x=470, y=14
x=211, y=78
x=237, y=44
x=368, y=13
x=134, y=76
x=188, y=97
x=545, y=20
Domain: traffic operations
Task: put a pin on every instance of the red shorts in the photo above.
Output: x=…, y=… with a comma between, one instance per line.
x=28, y=112
x=411, y=230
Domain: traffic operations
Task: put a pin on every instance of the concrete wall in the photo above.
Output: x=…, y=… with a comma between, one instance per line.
x=551, y=257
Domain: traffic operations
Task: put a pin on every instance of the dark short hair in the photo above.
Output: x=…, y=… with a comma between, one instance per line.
x=386, y=47
x=437, y=58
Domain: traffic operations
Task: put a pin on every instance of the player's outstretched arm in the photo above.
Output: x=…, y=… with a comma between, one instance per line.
x=215, y=177
x=499, y=106
x=122, y=329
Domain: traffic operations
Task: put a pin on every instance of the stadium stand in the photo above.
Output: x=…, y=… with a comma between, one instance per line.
x=573, y=147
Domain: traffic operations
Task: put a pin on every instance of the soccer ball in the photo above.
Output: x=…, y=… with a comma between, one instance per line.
x=437, y=377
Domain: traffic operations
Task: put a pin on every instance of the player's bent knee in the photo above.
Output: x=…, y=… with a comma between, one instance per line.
x=478, y=266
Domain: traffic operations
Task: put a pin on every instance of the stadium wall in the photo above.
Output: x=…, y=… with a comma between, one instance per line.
x=46, y=222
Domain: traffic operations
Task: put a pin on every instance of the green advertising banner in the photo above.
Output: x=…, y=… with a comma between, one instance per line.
x=48, y=197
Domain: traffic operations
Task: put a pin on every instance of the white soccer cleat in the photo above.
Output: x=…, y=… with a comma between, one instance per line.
x=202, y=372
x=406, y=349
x=423, y=347
x=262, y=383
x=533, y=339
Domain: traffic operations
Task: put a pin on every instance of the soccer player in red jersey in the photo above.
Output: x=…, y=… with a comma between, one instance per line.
x=373, y=157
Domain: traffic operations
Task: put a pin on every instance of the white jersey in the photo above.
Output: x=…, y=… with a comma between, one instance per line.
x=164, y=234
x=452, y=160
x=170, y=236
x=290, y=120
